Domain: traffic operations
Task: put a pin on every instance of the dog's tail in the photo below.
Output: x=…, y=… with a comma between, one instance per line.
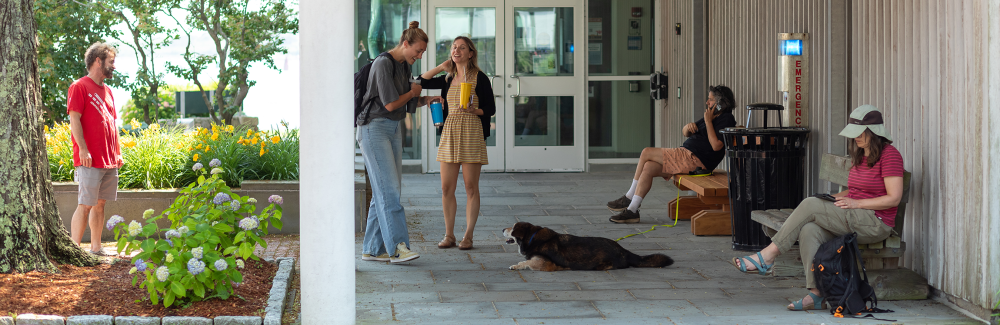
x=653, y=260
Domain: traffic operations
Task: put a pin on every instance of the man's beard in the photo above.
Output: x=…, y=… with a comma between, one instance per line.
x=108, y=72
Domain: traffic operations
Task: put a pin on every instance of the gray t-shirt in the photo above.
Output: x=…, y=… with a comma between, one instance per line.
x=388, y=80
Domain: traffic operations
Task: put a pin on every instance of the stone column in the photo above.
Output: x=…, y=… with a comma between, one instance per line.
x=327, y=161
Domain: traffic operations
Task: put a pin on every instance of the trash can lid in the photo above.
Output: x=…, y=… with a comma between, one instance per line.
x=765, y=107
x=763, y=131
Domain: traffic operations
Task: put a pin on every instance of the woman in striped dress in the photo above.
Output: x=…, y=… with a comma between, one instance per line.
x=463, y=136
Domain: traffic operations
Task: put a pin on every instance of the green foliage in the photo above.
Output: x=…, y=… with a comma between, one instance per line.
x=166, y=109
x=205, y=246
x=280, y=157
x=59, y=147
x=146, y=36
x=157, y=158
x=65, y=30
x=241, y=37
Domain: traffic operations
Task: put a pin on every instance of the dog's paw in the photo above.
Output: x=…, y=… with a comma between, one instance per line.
x=513, y=267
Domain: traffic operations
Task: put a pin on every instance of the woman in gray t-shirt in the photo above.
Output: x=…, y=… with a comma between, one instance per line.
x=390, y=96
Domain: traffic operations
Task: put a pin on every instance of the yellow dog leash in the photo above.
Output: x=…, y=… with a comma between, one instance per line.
x=676, y=214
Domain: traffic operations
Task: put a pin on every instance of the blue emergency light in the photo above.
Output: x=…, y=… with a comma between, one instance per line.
x=791, y=47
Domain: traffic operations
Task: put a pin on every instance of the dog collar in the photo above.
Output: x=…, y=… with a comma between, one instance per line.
x=532, y=237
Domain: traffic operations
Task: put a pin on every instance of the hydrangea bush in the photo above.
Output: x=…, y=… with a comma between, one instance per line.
x=212, y=231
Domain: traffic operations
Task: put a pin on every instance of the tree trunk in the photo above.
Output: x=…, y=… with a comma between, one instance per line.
x=32, y=236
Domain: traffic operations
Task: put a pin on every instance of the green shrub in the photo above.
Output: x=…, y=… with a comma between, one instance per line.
x=155, y=158
x=200, y=256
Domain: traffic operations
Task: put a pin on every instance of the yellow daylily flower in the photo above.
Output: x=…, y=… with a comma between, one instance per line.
x=249, y=132
x=198, y=146
x=195, y=157
x=253, y=141
x=215, y=136
x=135, y=124
x=230, y=128
x=154, y=127
x=275, y=139
x=208, y=148
x=262, y=152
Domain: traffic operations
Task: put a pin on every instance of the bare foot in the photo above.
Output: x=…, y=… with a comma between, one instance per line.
x=768, y=260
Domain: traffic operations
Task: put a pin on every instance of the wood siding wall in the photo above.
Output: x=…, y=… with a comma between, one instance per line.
x=931, y=67
x=677, y=57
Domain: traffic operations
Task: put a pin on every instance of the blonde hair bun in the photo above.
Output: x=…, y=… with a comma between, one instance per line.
x=414, y=24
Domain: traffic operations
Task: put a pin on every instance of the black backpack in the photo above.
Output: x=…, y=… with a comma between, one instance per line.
x=361, y=89
x=841, y=278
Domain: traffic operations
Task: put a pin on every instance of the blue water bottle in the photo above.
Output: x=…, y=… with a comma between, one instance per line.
x=437, y=113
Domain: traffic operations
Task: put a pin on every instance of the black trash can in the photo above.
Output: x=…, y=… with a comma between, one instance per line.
x=766, y=171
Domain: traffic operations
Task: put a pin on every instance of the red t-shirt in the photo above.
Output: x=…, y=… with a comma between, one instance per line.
x=865, y=183
x=97, y=117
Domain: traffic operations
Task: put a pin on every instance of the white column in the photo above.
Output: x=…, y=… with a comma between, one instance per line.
x=327, y=161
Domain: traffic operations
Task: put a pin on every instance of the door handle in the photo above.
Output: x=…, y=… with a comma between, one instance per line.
x=491, y=84
x=518, y=86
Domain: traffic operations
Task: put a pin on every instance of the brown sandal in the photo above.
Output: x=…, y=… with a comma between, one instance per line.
x=447, y=242
x=466, y=244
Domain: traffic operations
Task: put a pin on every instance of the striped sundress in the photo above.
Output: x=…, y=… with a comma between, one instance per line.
x=462, y=138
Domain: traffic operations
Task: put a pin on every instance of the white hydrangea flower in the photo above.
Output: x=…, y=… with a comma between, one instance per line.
x=172, y=233
x=183, y=230
x=252, y=200
x=169, y=258
x=221, y=265
x=239, y=264
x=134, y=228
x=215, y=163
x=148, y=213
x=198, y=252
x=133, y=270
x=249, y=223
x=217, y=170
x=195, y=266
x=162, y=273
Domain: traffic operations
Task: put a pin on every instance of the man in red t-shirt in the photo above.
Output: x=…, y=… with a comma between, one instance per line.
x=96, y=151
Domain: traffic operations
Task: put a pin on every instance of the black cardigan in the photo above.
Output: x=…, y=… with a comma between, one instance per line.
x=483, y=90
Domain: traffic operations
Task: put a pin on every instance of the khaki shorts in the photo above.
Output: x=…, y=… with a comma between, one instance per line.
x=96, y=184
x=679, y=161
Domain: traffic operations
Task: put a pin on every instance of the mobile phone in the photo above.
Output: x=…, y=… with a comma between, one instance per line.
x=824, y=196
x=718, y=107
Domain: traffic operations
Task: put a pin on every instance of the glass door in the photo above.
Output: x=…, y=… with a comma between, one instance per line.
x=527, y=48
x=482, y=22
x=544, y=85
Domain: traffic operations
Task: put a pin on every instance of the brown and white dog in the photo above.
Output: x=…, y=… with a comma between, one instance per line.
x=547, y=250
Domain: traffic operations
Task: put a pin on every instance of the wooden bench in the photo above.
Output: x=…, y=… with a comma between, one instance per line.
x=709, y=210
x=881, y=259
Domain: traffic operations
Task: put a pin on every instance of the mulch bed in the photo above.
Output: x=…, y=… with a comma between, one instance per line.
x=107, y=289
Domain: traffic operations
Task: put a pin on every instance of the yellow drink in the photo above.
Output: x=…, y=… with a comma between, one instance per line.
x=465, y=95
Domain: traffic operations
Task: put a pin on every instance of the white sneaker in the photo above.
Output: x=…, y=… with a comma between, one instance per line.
x=403, y=254
x=381, y=258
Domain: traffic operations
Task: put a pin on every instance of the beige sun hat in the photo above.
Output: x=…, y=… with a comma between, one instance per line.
x=865, y=117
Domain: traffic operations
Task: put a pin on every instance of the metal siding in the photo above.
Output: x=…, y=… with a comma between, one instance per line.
x=743, y=54
x=931, y=66
x=677, y=55
x=925, y=65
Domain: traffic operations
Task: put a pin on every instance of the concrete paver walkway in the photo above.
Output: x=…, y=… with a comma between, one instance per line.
x=450, y=286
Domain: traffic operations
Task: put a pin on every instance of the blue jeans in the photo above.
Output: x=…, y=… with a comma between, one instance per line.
x=382, y=146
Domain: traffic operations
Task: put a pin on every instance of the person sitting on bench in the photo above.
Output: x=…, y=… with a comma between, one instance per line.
x=702, y=149
x=868, y=206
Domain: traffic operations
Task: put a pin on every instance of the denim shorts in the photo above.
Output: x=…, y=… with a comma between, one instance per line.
x=96, y=184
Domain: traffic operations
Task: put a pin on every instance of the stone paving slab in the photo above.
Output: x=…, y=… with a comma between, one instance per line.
x=603, y=295
x=592, y=321
x=625, y=285
x=471, y=311
x=488, y=296
x=385, y=298
x=449, y=286
x=547, y=309
x=514, y=286
x=567, y=276
x=647, y=308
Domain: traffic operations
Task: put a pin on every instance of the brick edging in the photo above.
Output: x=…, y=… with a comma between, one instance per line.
x=275, y=308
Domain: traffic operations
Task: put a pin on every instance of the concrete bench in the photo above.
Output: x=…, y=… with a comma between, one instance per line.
x=709, y=209
x=881, y=259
